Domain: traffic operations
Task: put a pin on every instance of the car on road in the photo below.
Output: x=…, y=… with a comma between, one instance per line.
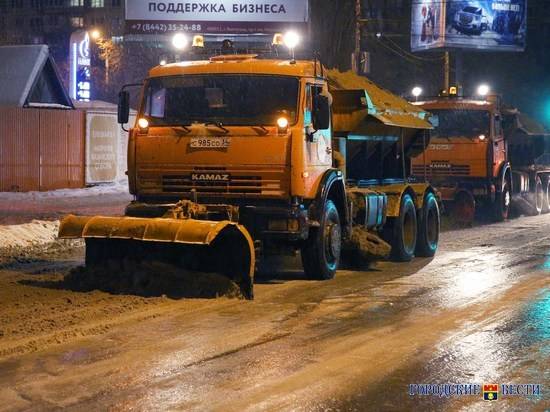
x=471, y=20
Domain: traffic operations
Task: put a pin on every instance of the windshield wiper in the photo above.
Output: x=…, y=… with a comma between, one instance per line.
x=182, y=126
x=263, y=128
x=219, y=125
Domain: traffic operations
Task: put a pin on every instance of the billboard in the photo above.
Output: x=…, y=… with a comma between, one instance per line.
x=215, y=16
x=498, y=25
x=427, y=25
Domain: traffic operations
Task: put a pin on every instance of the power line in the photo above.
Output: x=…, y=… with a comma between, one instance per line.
x=413, y=55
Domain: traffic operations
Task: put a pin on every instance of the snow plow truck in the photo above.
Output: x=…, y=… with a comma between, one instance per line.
x=486, y=156
x=237, y=157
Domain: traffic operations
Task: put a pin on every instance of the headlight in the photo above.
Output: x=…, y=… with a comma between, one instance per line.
x=143, y=125
x=282, y=125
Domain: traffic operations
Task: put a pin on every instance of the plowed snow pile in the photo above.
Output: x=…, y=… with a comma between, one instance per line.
x=29, y=234
x=34, y=239
x=151, y=279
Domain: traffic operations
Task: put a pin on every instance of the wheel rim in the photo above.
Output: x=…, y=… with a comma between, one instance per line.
x=507, y=199
x=333, y=239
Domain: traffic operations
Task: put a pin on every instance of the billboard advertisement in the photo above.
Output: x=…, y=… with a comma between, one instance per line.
x=428, y=25
x=498, y=25
x=215, y=16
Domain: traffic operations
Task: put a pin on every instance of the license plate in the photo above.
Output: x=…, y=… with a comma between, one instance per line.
x=210, y=142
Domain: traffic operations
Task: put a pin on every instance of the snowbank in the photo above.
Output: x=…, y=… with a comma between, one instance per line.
x=31, y=234
x=104, y=189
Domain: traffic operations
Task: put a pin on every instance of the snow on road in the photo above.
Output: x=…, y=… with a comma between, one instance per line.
x=100, y=190
x=29, y=222
x=19, y=208
x=35, y=233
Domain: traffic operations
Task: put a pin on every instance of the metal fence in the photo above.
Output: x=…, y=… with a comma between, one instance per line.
x=41, y=149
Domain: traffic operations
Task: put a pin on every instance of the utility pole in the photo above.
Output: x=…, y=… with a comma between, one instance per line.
x=447, y=70
x=356, y=57
x=458, y=71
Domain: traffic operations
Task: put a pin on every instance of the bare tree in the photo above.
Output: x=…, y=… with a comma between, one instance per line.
x=333, y=25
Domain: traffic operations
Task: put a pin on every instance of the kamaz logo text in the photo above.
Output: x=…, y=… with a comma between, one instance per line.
x=210, y=177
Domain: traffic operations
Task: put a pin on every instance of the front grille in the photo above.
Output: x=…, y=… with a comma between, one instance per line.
x=439, y=170
x=236, y=184
x=223, y=181
x=466, y=18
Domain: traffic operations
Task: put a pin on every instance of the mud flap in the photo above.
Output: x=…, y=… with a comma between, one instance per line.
x=224, y=247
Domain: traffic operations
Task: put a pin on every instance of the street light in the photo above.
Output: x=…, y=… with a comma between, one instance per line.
x=179, y=41
x=483, y=90
x=95, y=34
x=416, y=92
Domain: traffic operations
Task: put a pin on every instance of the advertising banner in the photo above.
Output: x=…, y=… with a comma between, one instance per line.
x=102, y=146
x=498, y=25
x=215, y=16
x=428, y=25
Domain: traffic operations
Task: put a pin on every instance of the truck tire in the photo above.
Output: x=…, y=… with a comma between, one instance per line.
x=428, y=227
x=546, y=188
x=321, y=252
x=404, y=231
x=464, y=208
x=538, y=201
x=502, y=203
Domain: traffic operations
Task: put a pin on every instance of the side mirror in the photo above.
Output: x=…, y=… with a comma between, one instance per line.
x=321, y=112
x=123, y=107
x=434, y=120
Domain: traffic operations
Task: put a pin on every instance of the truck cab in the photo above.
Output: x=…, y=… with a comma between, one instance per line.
x=481, y=154
x=467, y=156
x=471, y=20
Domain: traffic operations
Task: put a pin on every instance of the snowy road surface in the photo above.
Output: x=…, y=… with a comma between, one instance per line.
x=20, y=208
x=479, y=313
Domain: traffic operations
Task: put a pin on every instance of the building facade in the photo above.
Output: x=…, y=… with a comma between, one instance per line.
x=51, y=22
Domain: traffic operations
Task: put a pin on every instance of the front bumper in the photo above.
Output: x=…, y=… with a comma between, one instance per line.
x=480, y=190
x=280, y=223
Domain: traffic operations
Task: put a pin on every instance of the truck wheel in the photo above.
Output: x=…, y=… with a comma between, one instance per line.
x=539, y=196
x=502, y=203
x=321, y=253
x=464, y=208
x=404, y=231
x=428, y=227
x=546, y=193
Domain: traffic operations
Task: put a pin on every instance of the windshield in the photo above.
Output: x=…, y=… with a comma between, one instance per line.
x=472, y=10
x=461, y=123
x=226, y=99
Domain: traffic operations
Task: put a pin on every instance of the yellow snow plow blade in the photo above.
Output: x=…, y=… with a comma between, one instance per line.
x=204, y=246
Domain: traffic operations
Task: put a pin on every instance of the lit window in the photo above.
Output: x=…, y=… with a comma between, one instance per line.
x=77, y=21
x=98, y=3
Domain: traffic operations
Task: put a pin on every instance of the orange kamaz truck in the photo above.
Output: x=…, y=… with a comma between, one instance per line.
x=485, y=156
x=235, y=157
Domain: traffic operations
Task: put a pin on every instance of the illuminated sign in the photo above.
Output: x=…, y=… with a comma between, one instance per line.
x=215, y=16
x=81, y=76
x=498, y=25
